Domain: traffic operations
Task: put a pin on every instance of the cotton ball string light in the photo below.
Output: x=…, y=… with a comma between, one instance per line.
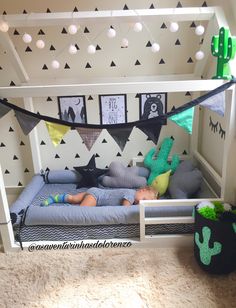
x=174, y=27
x=155, y=47
x=91, y=49
x=138, y=27
x=55, y=64
x=111, y=33
x=3, y=26
x=72, y=29
x=124, y=43
x=199, y=55
x=199, y=30
x=72, y=49
x=40, y=44
x=27, y=38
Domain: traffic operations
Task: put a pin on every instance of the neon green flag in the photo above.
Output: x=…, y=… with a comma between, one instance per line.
x=56, y=132
x=184, y=119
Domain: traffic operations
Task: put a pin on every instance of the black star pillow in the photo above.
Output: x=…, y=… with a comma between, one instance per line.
x=90, y=174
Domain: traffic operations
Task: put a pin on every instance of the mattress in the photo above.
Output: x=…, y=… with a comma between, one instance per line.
x=70, y=222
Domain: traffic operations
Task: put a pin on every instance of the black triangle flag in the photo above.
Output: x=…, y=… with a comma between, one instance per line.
x=4, y=110
x=120, y=135
x=152, y=130
x=26, y=122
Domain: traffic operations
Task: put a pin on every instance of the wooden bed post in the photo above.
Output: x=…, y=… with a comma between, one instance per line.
x=5, y=220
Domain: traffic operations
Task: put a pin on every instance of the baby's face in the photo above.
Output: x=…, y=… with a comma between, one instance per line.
x=144, y=194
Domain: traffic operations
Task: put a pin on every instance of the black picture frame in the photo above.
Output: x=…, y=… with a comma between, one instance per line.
x=152, y=105
x=113, y=108
x=72, y=108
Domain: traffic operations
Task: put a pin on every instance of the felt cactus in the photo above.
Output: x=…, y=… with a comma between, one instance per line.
x=206, y=252
x=224, y=48
x=161, y=165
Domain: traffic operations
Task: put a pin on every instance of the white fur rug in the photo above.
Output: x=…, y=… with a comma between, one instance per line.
x=111, y=278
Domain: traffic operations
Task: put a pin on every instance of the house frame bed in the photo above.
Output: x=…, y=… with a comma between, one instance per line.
x=131, y=85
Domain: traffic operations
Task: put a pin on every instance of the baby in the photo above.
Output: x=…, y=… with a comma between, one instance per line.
x=96, y=196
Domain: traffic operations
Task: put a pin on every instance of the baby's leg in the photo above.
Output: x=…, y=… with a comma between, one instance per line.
x=88, y=200
x=75, y=199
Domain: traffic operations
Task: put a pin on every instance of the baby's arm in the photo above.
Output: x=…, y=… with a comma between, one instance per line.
x=125, y=202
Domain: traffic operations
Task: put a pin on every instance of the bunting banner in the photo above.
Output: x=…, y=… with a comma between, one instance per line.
x=216, y=103
x=56, y=132
x=57, y=128
x=89, y=135
x=26, y=122
x=184, y=119
x=120, y=135
x=4, y=110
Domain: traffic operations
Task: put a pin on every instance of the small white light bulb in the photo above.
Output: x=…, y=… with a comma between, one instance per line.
x=174, y=27
x=199, y=55
x=138, y=27
x=72, y=50
x=91, y=49
x=27, y=38
x=72, y=29
x=40, y=44
x=55, y=64
x=3, y=26
x=155, y=47
x=199, y=30
x=124, y=43
x=111, y=33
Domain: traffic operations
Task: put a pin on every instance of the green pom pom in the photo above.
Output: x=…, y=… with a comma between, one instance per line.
x=208, y=213
x=219, y=208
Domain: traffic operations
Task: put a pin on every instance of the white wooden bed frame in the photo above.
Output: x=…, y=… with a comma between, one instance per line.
x=128, y=85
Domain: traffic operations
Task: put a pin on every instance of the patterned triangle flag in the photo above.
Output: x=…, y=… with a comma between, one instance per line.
x=216, y=103
x=56, y=132
x=184, y=119
x=26, y=122
x=120, y=135
x=3, y=110
x=89, y=135
x=151, y=130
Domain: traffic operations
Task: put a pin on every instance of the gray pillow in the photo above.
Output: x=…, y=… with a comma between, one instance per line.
x=185, y=181
x=120, y=176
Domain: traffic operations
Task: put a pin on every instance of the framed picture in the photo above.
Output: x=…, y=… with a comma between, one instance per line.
x=72, y=109
x=113, y=109
x=152, y=105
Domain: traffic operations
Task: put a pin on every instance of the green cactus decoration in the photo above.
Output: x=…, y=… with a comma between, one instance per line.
x=161, y=165
x=205, y=251
x=224, y=48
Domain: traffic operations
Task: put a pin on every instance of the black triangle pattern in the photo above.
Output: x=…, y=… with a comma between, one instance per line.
x=98, y=47
x=45, y=67
x=112, y=63
x=25, y=12
x=66, y=168
x=148, y=44
x=19, y=184
x=86, y=30
x=66, y=66
x=163, y=26
x=97, y=155
x=4, y=13
x=185, y=152
x=48, y=10
x=64, y=31
x=162, y=61
x=52, y=47
x=193, y=25
x=187, y=93
x=152, y=6
x=22, y=143
x=16, y=32
x=41, y=32
x=118, y=154
x=7, y=172
x=125, y=7
x=96, y=9
x=2, y=145
x=177, y=42
x=88, y=65
x=137, y=95
x=42, y=143
x=104, y=141
x=75, y=9
x=28, y=49
x=26, y=170
x=140, y=154
x=15, y=157
x=12, y=84
x=190, y=60
x=90, y=98
x=0, y=68
x=11, y=129
x=49, y=99
x=62, y=142
x=137, y=63
x=77, y=156
x=179, y=4
x=57, y=156
x=204, y=4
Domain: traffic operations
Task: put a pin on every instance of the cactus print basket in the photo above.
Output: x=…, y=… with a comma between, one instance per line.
x=215, y=244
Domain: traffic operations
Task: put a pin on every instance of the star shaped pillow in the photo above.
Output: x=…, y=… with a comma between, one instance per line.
x=89, y=173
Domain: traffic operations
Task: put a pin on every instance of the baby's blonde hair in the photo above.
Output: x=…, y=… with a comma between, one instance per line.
x=151, y=189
